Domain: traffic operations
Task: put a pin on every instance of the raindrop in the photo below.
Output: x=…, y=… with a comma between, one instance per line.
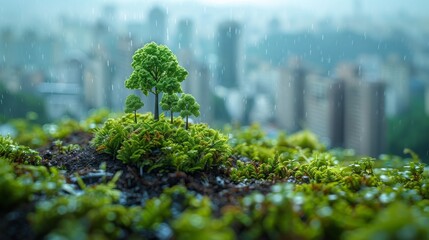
x=332, y=197
x=325, y=211
x=277, y=198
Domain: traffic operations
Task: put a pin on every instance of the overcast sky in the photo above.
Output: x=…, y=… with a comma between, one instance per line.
x=18, y=13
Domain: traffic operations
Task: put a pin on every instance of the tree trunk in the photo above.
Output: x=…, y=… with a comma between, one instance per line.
x=171, y=115
x=186, y=126
x=156, y=106
x=135, y=116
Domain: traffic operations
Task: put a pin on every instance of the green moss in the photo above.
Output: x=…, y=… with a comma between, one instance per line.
x=22, y=183
x=161, y=145
x=319, y=194
x=20, y=154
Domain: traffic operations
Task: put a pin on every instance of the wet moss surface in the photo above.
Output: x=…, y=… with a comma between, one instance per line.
x=289, y=187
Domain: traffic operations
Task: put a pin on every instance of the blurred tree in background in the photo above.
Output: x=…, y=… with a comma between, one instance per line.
x=20, y=104
x=410, y=130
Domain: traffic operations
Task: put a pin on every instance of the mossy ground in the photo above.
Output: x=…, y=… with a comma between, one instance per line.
x=284, y=188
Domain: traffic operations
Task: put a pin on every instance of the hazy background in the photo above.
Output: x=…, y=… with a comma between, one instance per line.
x=354, y=72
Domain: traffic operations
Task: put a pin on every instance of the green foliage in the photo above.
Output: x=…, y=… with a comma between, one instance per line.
x=306, y=139
x=188, y=107
x=29, y=133
x=198, y=149
x=22, y=183
x=132, y=104
x=264, y=158
x=20, y=104
x=17, y=153
x=317, y=194
x=63, y=149
x=35, y=135
x=406, y=130
x=267, y=217
x=160, y=145
x=169, y=103
x=94, y=212
x=197, y=222
x=156, y=70
x=109, y=138
x=397, y=221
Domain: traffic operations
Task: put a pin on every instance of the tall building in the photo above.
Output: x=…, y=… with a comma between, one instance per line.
x=123, y=69
x=290, y=96
x=185, y=30
x=396, y=74
x=364, y=115
x=260, y=92
x=228, y=63
x=198, y=84
x=157, y=26
x=64, y=95
x=324, y=109
x=96, y=89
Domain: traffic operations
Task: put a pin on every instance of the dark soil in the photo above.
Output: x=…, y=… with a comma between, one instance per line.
x=136, y=186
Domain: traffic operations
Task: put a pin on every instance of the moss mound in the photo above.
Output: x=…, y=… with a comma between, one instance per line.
x=160, y=145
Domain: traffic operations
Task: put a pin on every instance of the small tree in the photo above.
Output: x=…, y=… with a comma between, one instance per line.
x=169, y=103
x=156, y=70
x=132, y=104
x=188, y=107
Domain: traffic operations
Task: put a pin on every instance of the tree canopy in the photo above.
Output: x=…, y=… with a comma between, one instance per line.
x=132, y=104
x=156, y=70
x=188, y=107
x=169, y=103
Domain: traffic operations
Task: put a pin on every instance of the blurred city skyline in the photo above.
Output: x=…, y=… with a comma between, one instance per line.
x=346, y=70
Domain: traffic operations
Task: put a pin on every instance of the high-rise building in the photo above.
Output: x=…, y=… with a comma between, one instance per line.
x=198, y=84
x=96, y=89
x=123, y=69
x=290, y=96
x=185, y=29
x=364, y=115
x=228, y=63
x=324, y=109
x=396, y=74
x=64, y=94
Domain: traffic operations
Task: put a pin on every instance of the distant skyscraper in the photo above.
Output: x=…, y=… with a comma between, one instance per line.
x=96, y=88
x=396, y=74
x=198, y=84
x=64, y=95
x=364, y=119
x=290, y=97
x=185, y=34
x=157, y=26
x=228, y=54
x=324, y=109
